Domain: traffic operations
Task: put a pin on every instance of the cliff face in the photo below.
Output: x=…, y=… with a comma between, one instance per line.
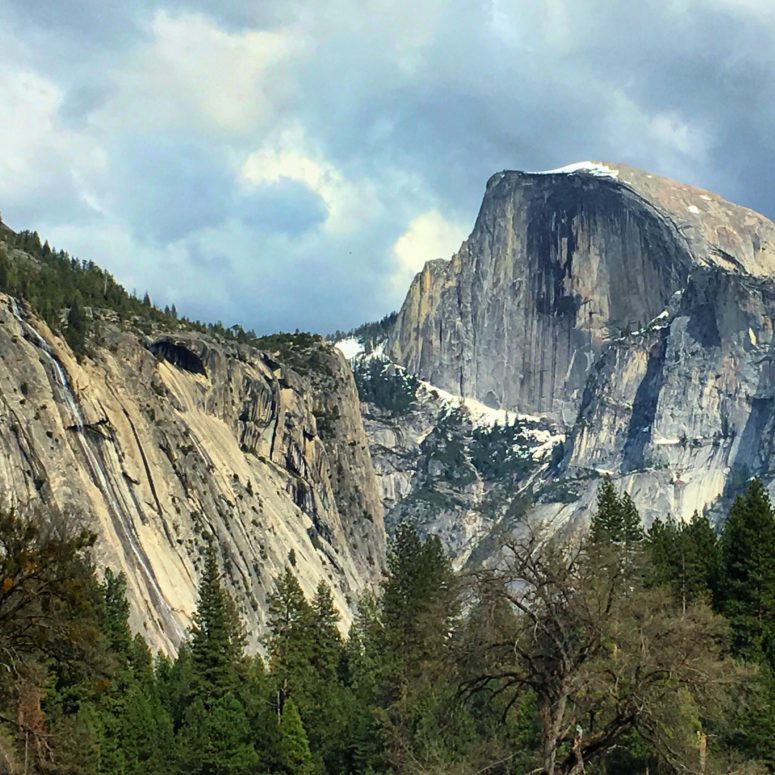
x=556, y=266
x=457, y=469
x=597, y=321
x=634, y=311
x=158, y=443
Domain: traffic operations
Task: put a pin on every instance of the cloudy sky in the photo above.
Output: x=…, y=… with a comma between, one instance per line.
x=292, y=163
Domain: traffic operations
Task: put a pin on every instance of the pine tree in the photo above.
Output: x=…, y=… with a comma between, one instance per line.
x=419, y=603
x=616, y=537
x=686, y=557
x=616, y=520
x=364, y=674
x=256, y=697
x=174, y=681
x=418, y=615
x=327, y=716
x=295, y=756
x=291, y=641
x=748, y=581
x=326, y=640
x=704, y=558
x=115, y=623
x=216, y=741
x=77, y=327
x=145, y=733
x=217, y=636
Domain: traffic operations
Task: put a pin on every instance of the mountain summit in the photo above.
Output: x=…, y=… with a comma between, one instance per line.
x=635, y=311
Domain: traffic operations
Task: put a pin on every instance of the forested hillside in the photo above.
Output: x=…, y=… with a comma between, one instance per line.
x=616, y=651
x=64, y=291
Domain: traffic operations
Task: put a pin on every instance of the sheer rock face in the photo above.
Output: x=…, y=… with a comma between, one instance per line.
x=634, y=310
x=158, y=445
x=556, y=265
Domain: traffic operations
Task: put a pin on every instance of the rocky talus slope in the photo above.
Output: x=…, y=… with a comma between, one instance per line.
x=160, y=442
x=635, y=312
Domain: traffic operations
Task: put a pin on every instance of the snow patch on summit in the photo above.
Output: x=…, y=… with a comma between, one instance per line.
x=588, y=167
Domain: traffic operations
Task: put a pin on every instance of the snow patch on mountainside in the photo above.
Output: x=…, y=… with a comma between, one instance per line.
x=543, y=436
x=354, y=349
x=350, y=348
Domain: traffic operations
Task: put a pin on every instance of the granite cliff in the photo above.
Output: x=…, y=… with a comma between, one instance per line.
x=633, y=311
x=160, y=441
x=598, y=320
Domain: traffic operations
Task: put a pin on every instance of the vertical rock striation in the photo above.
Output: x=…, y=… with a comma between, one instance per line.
x=160, y=444
x=635, y=311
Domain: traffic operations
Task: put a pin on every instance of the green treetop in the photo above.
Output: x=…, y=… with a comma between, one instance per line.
x=217, y=637
x=748, y=577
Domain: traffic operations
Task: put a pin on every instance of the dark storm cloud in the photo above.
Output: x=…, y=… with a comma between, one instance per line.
x=287, y=164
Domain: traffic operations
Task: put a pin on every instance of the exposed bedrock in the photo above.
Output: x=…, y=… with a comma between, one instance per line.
x=159, y=447
x=635, y=311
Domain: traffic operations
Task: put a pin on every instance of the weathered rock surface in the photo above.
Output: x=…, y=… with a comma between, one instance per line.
x=636, y=311
x=160, y=443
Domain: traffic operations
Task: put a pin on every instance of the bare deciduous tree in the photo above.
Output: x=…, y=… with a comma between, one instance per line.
x=602, y=654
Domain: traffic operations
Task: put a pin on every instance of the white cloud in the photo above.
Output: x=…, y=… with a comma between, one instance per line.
x=350, y=203
x=27, y=113
x=673, y=133
x=41, y=157
x=664, y=142
x=191, y=71
x=429, y=235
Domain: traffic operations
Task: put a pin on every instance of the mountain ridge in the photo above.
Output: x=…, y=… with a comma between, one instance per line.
x=633, y=310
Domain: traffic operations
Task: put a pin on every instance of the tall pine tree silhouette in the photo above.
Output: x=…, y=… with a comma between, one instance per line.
x=217, y=636
x=748, y=581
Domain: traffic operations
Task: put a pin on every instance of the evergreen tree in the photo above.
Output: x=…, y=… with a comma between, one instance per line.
x=174, y=681
x=217, y=637
x=363, y=661
x=326, y=719
x=748, y=581
x=256, y=695
x=686, y=557
x=295, y=756
x=419, y=601
x=115, y=617
x=77, y=327
x=217, y=741
x=326, y=640
x=419, y=615
x=616, y=537
x=291, y=641
x=616, y=520
x=145, y=733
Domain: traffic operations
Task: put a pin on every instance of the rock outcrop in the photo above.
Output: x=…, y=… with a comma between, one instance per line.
x=456, y=468
x=635, y=311
x=163, y=443
x=598, y=320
